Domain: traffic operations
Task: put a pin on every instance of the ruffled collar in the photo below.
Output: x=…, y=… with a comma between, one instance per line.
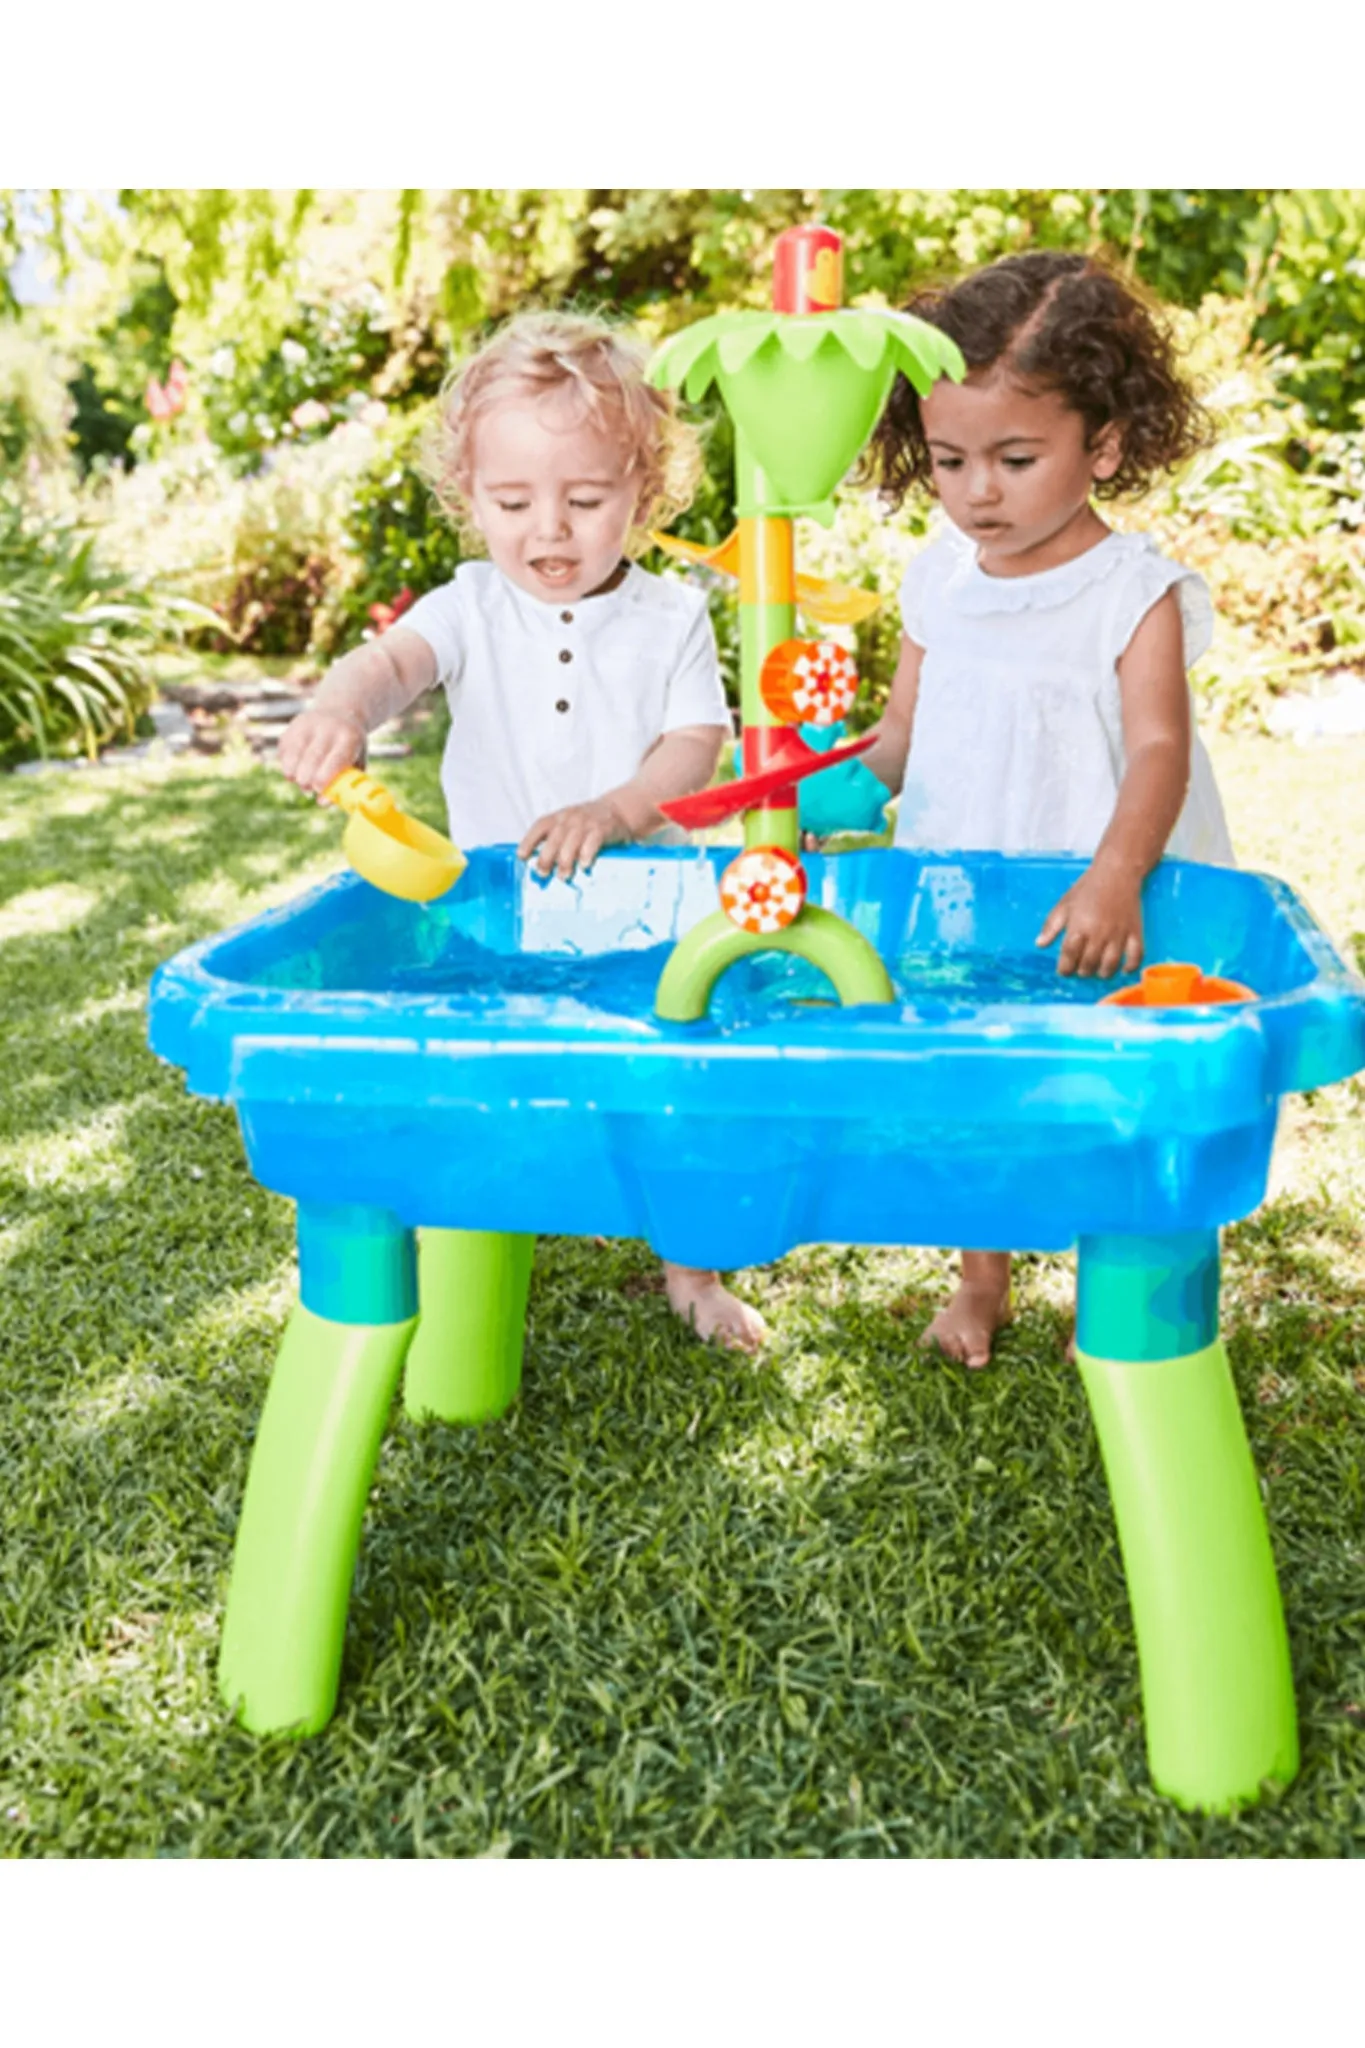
x=971, y=591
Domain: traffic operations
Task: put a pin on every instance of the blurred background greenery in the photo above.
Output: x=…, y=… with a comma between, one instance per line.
x=210, y=405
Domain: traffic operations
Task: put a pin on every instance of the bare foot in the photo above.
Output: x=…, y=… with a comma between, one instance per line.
x=714, y=1313
x=964, y=1330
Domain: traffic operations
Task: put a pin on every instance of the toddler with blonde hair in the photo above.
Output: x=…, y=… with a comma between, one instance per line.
x=583, y=691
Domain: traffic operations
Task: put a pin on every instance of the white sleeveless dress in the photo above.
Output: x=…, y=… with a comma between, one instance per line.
x=1018, y=736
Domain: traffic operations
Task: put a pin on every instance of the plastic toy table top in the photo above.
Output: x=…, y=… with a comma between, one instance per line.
x=492, y=1061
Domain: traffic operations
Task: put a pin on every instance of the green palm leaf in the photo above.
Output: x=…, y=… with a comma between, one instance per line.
x=805, y=389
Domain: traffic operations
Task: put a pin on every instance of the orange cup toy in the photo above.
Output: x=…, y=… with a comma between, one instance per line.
x=1177, y=984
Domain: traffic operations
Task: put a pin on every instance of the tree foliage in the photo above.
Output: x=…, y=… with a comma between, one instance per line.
x=237, y=263
x=306, y=318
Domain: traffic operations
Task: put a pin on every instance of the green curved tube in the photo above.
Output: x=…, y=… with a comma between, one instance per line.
x=464, y=1364
x=699, y=959
x=1217, y=1688
x=310, y=1475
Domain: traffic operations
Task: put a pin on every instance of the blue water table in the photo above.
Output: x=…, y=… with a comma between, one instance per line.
x=733, y=1053
x=490, y=1065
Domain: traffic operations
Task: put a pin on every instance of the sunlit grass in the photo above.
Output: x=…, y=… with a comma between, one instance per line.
x=842, y=1600
x=35, y=913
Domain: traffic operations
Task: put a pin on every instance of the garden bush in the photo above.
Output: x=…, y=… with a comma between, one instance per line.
x=313, y=378
x=1271, y=515
x=394, y=536
x=288, y=562
x=188, y=272
x=170, y=518
x=261, y=553
x=116, y=356
x=77, y=638
x=35, y=408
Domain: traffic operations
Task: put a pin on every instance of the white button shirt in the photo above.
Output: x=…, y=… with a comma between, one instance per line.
x=555, y=704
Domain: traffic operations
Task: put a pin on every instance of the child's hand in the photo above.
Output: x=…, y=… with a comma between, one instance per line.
x=574, y=836
x=1102, y=918
x=846, y=798
x=317, y=745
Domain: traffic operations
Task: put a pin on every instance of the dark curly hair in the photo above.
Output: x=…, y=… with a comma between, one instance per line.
x=1060, y=323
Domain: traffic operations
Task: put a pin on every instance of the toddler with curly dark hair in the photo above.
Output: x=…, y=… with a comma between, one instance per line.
x=1040, y=704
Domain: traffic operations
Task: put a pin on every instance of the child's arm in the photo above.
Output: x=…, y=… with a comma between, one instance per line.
x=886, y=760
x=1102, y=913
x=371, y=684
x=675, y=765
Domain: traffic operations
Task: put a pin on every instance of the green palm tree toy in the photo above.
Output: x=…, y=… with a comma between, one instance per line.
x=804, y=385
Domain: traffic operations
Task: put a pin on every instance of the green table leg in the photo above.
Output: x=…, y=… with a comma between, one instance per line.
x=333, y=1385
x=1216, y=1683
x=465, y=1360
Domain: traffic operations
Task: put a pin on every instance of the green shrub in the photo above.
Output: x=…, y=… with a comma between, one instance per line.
x=115, y=361
x=288, y=554
x=76, y=639
x=316, y=376
x=394, y=536
x=34, y=404
x=170, y=519
x=1269, y=515
x=263, y=553
x=1314, y=299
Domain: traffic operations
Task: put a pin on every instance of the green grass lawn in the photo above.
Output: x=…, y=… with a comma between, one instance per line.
x=842, y=1600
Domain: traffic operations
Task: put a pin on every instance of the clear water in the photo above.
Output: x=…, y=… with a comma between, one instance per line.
x=764, y=989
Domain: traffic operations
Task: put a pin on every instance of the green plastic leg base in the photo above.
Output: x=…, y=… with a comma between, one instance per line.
x=305, y=1498
x=1216, y=1682
x=830, y=943
x=465, y=1361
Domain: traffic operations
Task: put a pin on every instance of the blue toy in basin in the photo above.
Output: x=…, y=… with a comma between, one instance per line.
x=489, y=1066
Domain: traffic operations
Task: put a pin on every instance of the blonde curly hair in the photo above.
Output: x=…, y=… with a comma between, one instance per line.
x=536, y=354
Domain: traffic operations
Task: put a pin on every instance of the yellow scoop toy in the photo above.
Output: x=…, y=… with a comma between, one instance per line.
x=392, y=851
